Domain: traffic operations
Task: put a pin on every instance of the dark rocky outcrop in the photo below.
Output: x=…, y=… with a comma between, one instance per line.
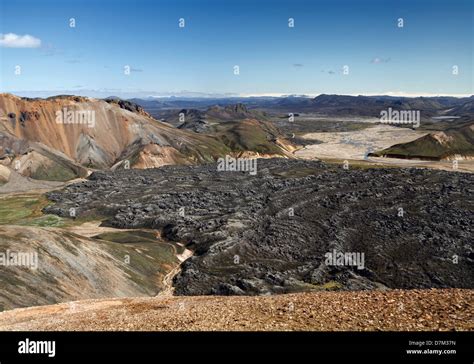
x=411, y=224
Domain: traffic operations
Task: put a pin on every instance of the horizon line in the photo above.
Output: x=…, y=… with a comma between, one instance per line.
x=212, y=95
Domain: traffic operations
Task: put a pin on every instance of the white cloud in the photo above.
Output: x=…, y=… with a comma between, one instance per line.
x=377, y=60
x=12, y=40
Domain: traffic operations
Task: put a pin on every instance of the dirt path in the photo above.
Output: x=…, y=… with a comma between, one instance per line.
x=168, y=289
x=93, y=228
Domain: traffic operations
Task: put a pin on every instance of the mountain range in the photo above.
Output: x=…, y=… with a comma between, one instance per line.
x=114, y=133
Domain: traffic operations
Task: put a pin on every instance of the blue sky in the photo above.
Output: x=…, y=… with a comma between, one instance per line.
x=273, y=58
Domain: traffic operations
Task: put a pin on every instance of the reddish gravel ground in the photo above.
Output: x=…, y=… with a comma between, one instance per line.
x=417, y=310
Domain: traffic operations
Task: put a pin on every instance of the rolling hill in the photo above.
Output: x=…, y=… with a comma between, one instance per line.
x=453, y=143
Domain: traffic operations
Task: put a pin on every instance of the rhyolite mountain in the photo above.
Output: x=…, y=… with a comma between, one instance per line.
x=122, y=133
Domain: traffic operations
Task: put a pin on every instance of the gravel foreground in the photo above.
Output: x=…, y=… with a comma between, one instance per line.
x=394, y=310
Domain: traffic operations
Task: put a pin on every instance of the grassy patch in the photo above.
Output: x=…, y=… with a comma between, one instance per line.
x=26, y=210
x=150, y=258
x=56, y=172
x=357, y=164
x=331, y=286
x=126, y=237
x=248, y=136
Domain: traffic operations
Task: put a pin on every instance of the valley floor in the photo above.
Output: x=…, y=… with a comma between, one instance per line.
x=354, y=146
x=393, y=310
